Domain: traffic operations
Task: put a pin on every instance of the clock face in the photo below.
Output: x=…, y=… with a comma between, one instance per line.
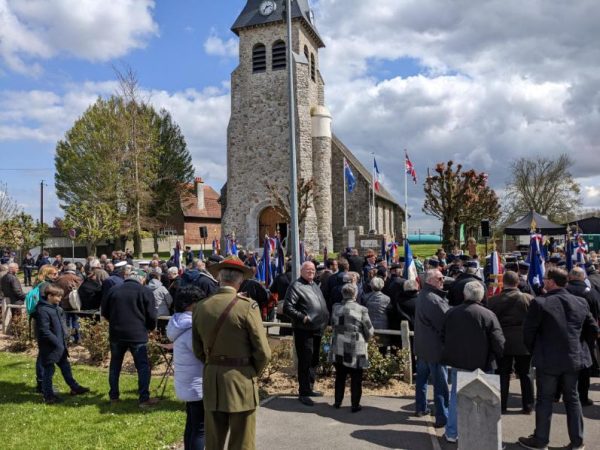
x=267, y=7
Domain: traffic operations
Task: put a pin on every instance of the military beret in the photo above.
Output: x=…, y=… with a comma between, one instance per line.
x=396, y=266
x=450, y=258
x=511, y=266
x=511, y=259
x=401, y=259
x=523, y=265
x=433, y=263
x=561, y=263
x=465, y=258
x=472, y=264
x=554, y=259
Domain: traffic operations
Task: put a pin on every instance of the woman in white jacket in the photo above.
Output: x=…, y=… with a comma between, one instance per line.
x=188, y=368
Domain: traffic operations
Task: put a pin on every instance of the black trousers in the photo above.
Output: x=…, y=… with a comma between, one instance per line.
x=547, y=385
x=341, y=373
x=193, y=436
x=522, y=367
x=583, y=385
x=308, y=345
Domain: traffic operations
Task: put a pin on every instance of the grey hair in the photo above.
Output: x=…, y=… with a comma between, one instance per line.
x=95, y=264
x=577, y=273
x=72, y=267
x=410, y=285
x=430, y=273
x=232, y=276
x=377, y=284
x=12, y=265
x=473, y=291
x=101, y=275
x=136, y=277
x=349, y=291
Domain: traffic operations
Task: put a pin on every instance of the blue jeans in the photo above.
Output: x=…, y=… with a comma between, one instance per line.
x=440, y=389
x=48, y=373
x=73, y=325
x=193, y=437
x=140, y=359
x=452, y=424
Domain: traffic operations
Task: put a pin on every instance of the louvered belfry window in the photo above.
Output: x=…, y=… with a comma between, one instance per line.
x=279, y=55
x=259, y=58
x=313, y=69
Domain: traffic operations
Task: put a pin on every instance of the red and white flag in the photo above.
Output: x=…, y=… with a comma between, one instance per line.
x=410, y=169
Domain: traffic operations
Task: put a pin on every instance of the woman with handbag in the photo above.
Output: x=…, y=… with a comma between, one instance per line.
x=352, y=329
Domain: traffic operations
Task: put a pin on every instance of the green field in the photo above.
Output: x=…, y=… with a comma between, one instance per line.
x=83, y=422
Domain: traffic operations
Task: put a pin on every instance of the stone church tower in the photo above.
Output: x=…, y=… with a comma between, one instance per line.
x=257, y=136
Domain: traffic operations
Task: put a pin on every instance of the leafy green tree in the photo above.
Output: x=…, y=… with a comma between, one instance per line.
x=94, y=222
x=8, y=206
x=20, y=232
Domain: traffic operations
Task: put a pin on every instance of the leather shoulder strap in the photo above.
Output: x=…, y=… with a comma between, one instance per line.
x=219, y=324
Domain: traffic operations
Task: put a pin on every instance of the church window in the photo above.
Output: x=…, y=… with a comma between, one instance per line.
x=279, y=55
x=259, y=58
x=313, y=70
x=306, y=52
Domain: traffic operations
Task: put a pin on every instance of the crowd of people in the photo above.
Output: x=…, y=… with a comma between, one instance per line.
x=213, y=311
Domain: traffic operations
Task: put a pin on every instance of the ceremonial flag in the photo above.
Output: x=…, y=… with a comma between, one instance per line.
x=234, y=249
x=264, y=267
x=227, y=247
x=383, y=250
x=201, y=254
x=536, y=262
x=302, y=256
x=496, y=278
x=569, y=252
x=410, y=169
x=214, y=247
x=410, y=270
x=177, y=254
x=280, y=258
x=581, y=249
x=376, y=182
x=393, y=251
x=325, y=255
x=350, y=179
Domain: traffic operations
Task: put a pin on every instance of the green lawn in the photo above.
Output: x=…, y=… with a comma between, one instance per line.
x=84, y=422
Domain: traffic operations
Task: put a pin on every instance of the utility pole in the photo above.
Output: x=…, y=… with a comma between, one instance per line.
x=294, y=232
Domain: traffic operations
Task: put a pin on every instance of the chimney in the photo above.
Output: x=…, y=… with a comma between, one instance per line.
x=200, y=192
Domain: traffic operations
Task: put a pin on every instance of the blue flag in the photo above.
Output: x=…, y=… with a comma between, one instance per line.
x=536, y=262
x=350, y=180
x=280, y=257
x=383, y=250
x=234, y=249
x=569, y=252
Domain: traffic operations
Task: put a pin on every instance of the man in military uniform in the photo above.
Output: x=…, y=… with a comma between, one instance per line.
x=229, y=338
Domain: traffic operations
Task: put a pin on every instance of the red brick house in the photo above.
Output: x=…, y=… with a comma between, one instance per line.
x=201, y=211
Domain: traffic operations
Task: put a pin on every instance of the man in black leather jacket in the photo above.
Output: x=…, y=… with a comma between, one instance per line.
x=306, y=307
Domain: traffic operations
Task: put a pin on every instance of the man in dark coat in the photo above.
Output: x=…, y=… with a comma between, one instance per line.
x=511, y=309
x=556, y=328
x=129, y=309
x=579, y=288
x=593, y=275
x=305, y=305
x=356, y=262
x=11, y=286
x=394, y=283
x=473, y=339
x=280, y=285
x=333, y=291
x=199, y=276
x=456, y=292
x=429, y=323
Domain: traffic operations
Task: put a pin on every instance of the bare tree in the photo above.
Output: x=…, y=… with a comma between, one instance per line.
x=281, y=199
x=8, y=206
x=544, y=185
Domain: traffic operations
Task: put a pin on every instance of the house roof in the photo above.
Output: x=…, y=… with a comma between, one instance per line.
x=212, y=207
x=251, y=17
x=364, y=172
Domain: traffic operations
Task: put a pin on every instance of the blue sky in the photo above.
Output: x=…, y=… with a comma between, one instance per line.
x=472, y=84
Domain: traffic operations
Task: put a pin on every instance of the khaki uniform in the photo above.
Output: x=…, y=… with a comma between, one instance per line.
x=240, y=353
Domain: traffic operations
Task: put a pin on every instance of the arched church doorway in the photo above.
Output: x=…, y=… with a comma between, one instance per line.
x=270, y=222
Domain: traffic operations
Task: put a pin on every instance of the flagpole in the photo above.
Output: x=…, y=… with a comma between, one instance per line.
x=405, y=194
x=374, y=222
x=344, y=177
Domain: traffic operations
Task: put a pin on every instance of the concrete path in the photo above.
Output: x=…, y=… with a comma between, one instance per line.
x=386, y=422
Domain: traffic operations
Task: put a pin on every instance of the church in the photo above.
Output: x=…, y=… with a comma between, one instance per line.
x=258, y=140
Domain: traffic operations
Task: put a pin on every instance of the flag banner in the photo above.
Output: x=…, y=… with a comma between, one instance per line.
x=410, y=269
x=280, y=258
x=227, y=247
x=536, y=262
x=495, y=286
x=214, y=247
x=177, y=255
x=410, y=169
x=569, y=252
x=581, y=248
x=201, y=254
x=376, y=179
x=393, y=251
x=383, y=250
x=350, y=179
x=302, y=255
x=234, y=249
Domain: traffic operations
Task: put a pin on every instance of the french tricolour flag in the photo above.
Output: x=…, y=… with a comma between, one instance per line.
x=376, y=182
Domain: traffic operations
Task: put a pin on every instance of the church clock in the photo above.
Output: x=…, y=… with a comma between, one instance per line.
x=267, y=7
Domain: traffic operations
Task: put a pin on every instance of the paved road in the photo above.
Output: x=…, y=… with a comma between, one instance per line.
x=385, y=422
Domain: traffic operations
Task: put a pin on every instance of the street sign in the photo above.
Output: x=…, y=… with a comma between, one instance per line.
x=72, y=234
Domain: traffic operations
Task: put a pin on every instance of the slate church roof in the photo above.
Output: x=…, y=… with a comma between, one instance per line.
x=251, y=16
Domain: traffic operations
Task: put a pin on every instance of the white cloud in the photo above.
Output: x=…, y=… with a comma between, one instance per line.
x=36, y=30
x=217, y=46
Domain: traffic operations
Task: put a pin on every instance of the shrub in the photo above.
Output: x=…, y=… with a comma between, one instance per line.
x=281, y=357
x=154, y=352
x=94, y=338
x=21, y=333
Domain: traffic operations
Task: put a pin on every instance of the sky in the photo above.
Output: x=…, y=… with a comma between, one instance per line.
x=481, y=83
